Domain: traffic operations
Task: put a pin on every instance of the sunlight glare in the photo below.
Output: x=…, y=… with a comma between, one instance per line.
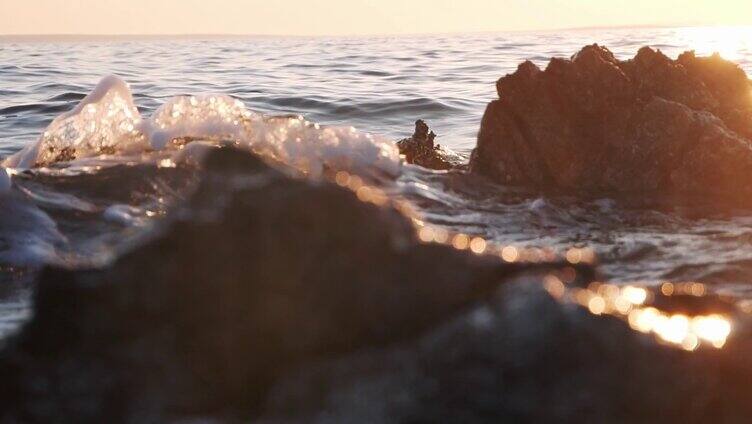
x=732, y=43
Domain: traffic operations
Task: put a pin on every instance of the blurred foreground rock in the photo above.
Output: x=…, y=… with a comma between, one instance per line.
x=594, y=124
x=522, y=357
x=276, y=299
x=257, y=274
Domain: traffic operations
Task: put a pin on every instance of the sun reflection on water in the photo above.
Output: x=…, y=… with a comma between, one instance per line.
x=732, y=43
x=631, y=302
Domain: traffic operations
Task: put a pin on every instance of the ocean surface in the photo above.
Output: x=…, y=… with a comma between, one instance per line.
x=349, y=98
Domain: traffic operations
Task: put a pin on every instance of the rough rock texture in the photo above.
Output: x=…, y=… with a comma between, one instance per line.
x=597, y=124
x=258, y=273
x=419, y=149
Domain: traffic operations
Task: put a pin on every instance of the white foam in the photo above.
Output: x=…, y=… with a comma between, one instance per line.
x=107, y=122
x=122, y=214
x=28, y=236
x=538, y=204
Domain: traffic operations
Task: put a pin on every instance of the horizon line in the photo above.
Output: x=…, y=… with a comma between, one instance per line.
x=84, y=36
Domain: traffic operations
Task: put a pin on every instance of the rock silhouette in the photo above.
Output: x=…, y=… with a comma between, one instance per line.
x=419, y=149
x=258, y=273
x=594, y=124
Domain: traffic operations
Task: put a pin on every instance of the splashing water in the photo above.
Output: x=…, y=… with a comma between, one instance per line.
x=107, y=122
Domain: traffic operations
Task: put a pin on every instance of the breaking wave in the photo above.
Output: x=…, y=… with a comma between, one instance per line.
x=107, y=122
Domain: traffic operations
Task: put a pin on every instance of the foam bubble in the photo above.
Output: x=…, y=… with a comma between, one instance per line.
x=107, y=122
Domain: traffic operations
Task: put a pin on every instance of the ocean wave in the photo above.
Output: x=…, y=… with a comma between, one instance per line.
x=34, y=107
x=102, y=170
x=67, y=96
x=107, y=122
x=351, y=109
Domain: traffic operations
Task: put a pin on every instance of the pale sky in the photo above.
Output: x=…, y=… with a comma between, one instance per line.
x=340, y=17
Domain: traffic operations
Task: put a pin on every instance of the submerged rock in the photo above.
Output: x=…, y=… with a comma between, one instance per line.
x=597, y=124
x=256, y=274
x=420, y=149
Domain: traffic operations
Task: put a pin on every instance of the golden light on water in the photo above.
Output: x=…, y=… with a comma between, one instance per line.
x=643, y=320
x=371, y=195
x=461, y=241
x=714, y=329
x=365, y=192
x=425, y=234
x=629, y=303
x=342, y=178
x=634, y=295
x=440, y=235
x=580, y=255
x=478, y=245
x=680, y=329
x=626, y=301
x=672, y=329
x=596, y=305
x=510, y=254
x=432, y=234
x=554, y=286
x=731, y=43
x=683, y=288
x=166, y=163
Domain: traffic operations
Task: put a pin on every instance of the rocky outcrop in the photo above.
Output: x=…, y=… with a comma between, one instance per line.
x=419, y=149
x=257, y=274
x=597, y=124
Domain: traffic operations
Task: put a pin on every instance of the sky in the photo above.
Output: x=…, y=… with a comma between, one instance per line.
x=352, y=17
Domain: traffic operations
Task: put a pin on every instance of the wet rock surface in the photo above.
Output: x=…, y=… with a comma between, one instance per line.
x=420, y=149
x=595, y=124
x=257, y=274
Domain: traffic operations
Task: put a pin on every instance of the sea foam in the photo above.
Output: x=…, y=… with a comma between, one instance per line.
x=28, y=236
x=107, y=122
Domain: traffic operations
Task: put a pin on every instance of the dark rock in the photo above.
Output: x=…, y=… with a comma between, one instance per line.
x=257, y=274
x=419, y=149
x=594, y=124
x=288, y=300
x=523, y=357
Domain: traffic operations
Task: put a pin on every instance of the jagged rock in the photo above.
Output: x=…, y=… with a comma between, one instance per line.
x=597, y=124
x=419, y=149
x=256, y=274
